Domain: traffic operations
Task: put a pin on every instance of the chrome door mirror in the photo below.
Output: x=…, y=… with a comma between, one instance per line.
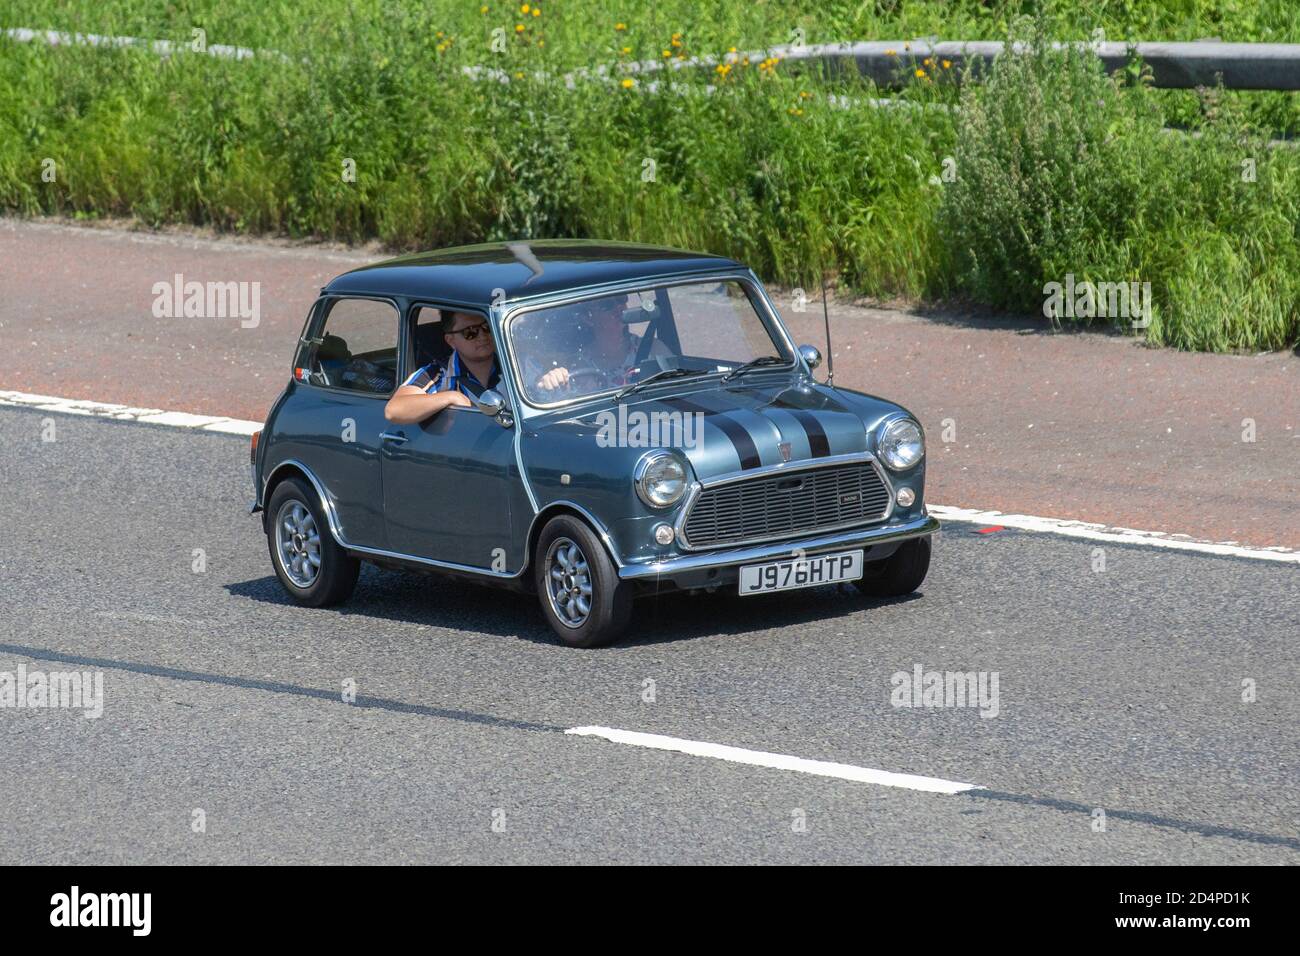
x=810, y=355
x=493, y=404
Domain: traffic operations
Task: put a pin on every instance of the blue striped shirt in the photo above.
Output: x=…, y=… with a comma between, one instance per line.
x=435, y=377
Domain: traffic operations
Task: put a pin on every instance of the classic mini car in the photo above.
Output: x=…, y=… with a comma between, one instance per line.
x=686, y=446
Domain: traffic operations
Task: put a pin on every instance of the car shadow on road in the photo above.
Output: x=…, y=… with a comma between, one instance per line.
x=676, y=617
x=406, y=598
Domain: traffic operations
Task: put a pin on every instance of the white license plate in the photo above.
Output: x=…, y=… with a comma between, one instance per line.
x=801, y=572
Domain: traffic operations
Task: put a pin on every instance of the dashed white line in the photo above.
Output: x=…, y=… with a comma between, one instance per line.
x=1034, y=523
x=760, y=758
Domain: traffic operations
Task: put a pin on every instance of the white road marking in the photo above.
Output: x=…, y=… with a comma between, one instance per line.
x=1101, y=532
x=1062, y=526
x=151, y=416
x=760, y=758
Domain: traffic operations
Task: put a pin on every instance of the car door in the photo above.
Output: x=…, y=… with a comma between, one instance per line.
x=336, y=415
x=451, y=486
x=448, y=490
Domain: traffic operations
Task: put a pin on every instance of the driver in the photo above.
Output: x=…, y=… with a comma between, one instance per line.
x=611, y=352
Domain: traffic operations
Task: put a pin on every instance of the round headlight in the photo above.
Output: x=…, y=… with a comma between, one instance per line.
x=660, y=479
x=901, y=444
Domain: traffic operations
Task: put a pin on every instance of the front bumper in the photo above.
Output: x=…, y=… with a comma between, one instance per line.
x=704, y=569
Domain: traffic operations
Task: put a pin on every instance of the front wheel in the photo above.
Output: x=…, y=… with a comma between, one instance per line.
x=900, y=573
x=581, y=595
x=308, y=561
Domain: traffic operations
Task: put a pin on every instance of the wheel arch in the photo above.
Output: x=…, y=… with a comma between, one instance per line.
x=556, y=508
x=292, y=468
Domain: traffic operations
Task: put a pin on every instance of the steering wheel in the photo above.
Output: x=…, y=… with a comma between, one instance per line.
x=594, y=376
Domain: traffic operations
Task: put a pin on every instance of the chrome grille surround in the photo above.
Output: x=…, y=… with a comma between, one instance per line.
x=766, y=504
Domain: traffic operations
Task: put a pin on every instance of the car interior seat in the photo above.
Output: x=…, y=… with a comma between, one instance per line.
x=331, y=358
x=430, y=346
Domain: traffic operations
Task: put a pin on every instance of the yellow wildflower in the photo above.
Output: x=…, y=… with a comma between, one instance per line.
x=947, y=64
x=620, y=26
x=519, y=28
x=628, y=83
x=920, y=74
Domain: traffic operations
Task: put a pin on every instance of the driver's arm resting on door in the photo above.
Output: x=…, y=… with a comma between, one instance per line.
x=419, y=398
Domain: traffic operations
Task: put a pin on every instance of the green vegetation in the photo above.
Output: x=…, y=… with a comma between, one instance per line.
x=1059, y=169
x=1062, y=171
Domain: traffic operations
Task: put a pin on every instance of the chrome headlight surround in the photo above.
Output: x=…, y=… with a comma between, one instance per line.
x=660, y=478
x=900, y=444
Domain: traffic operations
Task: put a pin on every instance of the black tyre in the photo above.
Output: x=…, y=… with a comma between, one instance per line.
x=900, y=573
x=578, y=586
x=308, y=561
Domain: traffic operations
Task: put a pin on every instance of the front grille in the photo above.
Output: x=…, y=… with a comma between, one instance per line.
x=787, y=503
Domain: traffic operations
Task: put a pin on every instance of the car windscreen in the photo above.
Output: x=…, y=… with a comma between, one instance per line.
x=570, y=351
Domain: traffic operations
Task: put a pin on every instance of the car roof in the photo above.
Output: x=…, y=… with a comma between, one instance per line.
x=471, y=274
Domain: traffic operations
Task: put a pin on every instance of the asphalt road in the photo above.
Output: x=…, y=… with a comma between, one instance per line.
x=1119, y=690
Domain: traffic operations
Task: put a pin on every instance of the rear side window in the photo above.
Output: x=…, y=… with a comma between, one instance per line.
x=356, y=347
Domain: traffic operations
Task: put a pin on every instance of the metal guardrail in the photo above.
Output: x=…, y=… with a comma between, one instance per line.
x=158, y=47
x=1238, y=66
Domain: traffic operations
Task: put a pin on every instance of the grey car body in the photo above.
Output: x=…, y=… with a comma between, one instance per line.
x=783, y=465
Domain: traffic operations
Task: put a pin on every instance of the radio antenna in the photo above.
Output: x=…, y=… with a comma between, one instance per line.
x=830, y=353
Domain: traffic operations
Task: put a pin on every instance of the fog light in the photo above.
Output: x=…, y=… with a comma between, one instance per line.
x=664, y=534
x=905, y=497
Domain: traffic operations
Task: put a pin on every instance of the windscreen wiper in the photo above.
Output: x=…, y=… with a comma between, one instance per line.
x=659, y=376
x=755, y=363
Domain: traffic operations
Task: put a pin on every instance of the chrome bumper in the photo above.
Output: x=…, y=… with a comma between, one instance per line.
x=778, y=550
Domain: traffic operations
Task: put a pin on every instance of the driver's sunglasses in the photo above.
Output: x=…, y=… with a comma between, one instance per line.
x=471, y=332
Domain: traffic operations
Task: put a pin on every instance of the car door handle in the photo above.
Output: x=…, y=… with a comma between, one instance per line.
x=396, y=437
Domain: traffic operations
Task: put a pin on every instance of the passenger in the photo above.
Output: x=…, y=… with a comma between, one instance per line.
x=472, y=370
